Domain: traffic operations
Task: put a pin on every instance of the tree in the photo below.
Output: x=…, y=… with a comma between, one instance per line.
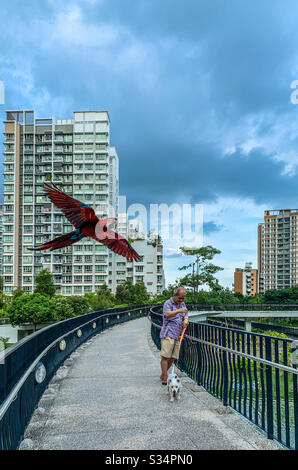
x=140, y=294
x=44, y=283
x=122, y=294
x=79, y=304
x=102, y=299
x=31, y=308
x=202, y=271
x=129, y=293
x=62, y=308
x=289, y=294
x=17, y=292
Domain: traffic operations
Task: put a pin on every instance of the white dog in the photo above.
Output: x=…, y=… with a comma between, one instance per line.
x=174, y=384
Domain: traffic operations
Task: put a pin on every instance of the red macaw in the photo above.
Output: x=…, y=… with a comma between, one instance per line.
x=87, y=224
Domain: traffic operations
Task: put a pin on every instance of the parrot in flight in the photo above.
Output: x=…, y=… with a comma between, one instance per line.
x=86, y=224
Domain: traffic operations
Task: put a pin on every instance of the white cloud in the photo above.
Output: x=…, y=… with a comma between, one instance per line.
x=237, y=241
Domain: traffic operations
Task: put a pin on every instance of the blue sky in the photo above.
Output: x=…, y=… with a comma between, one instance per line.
x=198, y=94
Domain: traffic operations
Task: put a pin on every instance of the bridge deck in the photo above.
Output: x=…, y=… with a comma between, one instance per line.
x=110, y=397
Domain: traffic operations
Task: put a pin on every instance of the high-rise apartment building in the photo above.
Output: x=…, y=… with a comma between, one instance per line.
x=246, y=280
x=1, y=241
x=75, y=154
x=278, y=249
x=149, y=270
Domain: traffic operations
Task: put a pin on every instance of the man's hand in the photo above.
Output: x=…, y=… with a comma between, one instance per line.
x=185, y=322
x=183, y=310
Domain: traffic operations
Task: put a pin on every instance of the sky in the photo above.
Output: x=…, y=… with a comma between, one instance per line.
x=198, y=93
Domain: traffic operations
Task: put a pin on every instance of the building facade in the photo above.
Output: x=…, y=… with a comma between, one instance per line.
x=278, y=249
x=149, y=270
x=76, y=155
x=1, y=241
x=246, y=280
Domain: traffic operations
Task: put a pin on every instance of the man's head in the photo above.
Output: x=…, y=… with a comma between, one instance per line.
x=179, y=295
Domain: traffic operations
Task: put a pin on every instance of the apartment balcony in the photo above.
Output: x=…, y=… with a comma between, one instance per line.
x=57, y=271
x=57, y=178
x=58, y=169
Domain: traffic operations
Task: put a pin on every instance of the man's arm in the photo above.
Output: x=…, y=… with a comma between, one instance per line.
x=173, y=313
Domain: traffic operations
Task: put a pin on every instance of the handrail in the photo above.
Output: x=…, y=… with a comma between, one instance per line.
x=233, y=329
x=5, y=405
x=253, y=373
x=239, y=353
x=23, y=395
x=14, y=347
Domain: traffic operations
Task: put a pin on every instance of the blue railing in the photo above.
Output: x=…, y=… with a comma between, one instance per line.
x=22, y=366
x=255, y=374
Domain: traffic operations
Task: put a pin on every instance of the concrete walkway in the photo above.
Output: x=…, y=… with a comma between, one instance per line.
x=108, y=395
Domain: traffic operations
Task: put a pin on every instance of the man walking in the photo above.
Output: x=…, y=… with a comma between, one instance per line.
x=175, y=317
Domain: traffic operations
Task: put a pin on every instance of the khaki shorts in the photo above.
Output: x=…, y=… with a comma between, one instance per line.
x=169, y=347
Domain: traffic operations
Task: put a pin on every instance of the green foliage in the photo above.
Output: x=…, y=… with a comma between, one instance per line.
x=62, y=308
x=2, y=313
x=167, y=293
x=202, y=272
x=31, y=308
x=1, y=283
x=102, y=299
x=270, y=333
x=4, y=300
x=17, y=292
x=44, y=283
x=3, y=343
x=129, y=293
x=290, y=294
x=79, y=304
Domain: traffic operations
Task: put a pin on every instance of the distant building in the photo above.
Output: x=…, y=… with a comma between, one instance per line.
x=278, y=249
x=149, y=270
x=246, y=280
x=1, y=241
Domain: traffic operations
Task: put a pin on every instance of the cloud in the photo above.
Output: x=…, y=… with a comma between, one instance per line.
x=199, y=98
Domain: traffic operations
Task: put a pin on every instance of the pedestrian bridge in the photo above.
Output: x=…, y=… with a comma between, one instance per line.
x=104, y=392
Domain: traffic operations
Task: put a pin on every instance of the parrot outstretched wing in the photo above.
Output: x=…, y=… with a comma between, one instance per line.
x=75, y=211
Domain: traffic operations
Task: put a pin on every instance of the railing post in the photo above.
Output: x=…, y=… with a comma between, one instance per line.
x=199, y=353
x=294, y=365
x=225, y=367
x=269, y=394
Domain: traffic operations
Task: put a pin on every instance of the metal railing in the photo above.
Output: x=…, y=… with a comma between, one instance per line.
x=244, y=307
x=255, y=374
x=233, y=323
x=27, y=367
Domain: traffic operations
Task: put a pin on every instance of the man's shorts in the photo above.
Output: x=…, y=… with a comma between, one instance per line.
x=169, y=347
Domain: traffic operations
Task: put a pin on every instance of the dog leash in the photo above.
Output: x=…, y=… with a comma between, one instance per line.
x=181, y=338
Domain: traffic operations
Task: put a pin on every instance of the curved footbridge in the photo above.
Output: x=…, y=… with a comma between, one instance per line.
x=108, y=395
